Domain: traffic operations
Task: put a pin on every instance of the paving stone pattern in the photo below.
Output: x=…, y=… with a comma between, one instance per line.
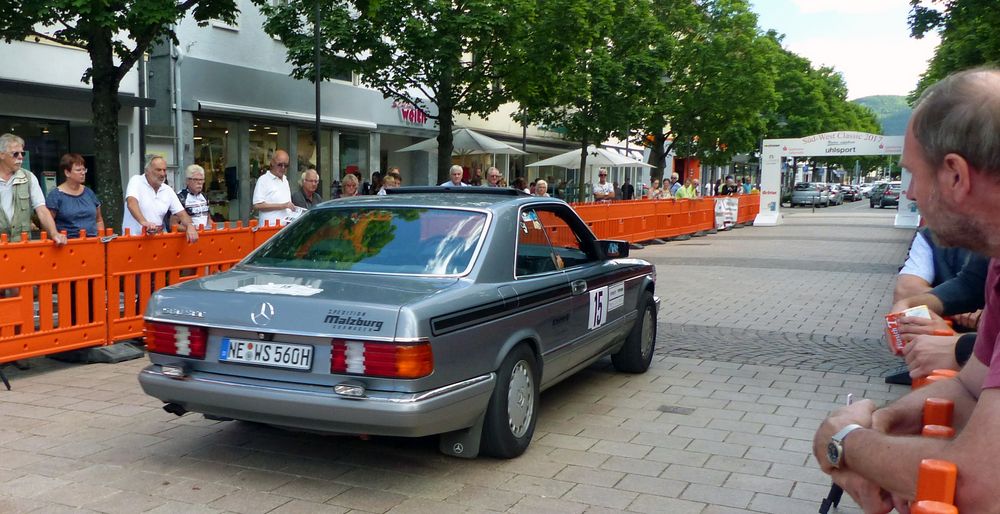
x=721, y=422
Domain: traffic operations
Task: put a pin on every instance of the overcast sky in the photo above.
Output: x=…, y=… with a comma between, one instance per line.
x=867, y=41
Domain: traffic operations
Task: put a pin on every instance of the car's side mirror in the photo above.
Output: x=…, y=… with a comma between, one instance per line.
x=610, y=249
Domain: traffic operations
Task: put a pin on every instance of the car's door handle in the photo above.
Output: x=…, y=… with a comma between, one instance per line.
x=578, y=286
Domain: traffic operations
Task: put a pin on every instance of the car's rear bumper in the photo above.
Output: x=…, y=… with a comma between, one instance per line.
x=318, y=408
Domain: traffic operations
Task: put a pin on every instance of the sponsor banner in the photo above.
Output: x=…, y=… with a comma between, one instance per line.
x=726, y=210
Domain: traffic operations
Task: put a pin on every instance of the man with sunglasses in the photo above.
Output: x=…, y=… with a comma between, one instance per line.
x=603, y=190
x=20, y=194
x=271, y=196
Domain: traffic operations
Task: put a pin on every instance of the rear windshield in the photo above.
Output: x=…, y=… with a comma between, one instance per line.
x=383, y=240
x=805, y=186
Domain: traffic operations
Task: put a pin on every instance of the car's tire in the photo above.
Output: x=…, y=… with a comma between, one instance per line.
x=871, y=204
x=881, y=204
x=637, y=352
x=513, y=408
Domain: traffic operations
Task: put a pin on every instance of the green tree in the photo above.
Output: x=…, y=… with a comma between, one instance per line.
x=115, y=35
x=717, y=79
x=420, y=52
x=581, y=65
x=969, y=36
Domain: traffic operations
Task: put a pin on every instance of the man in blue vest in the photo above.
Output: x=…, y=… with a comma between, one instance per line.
x=20, y=194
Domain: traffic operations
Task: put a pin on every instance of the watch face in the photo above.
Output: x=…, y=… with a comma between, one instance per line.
x=833, y=453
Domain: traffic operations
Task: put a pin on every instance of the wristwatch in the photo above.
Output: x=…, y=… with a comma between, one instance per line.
x=835, y=448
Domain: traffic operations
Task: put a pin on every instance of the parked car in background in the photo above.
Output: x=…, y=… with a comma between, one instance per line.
x=425, y=311
x=836, y=194
x=886, y=194
x=866, y=189
x=851, y=192
x=810, y=193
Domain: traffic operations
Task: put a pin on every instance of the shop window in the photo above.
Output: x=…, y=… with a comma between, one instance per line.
x=215, y=149
x=45, y=142
x=265, y=139
x=354, y=155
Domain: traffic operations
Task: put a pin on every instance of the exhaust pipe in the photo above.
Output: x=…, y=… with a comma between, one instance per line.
x=174, y=408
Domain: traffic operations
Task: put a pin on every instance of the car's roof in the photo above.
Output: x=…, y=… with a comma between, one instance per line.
x=465, y=197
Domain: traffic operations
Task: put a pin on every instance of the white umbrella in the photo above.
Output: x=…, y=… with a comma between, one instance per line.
x=466, y=142
x=595, y=157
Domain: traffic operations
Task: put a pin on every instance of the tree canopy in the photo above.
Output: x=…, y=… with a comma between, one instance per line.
x=969, y=36
x=425, y=53
x=115, y=36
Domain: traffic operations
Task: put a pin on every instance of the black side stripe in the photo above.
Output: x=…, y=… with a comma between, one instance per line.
x=496, y=310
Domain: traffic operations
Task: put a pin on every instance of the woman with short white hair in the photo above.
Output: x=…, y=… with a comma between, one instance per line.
x=541, y=188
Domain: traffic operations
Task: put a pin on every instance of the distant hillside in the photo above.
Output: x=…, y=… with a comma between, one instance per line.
x=892, y=111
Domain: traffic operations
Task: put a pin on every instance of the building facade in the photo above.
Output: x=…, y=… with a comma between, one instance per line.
x=49, y=106
x=226, y=101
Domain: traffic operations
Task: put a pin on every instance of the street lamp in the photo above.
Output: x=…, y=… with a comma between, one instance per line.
x=316, y=33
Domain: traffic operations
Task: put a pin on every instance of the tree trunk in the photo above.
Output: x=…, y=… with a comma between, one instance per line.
x=658, y=153
x=446, y=124
x=445, y=137
x=581, y=194
x=105, y=106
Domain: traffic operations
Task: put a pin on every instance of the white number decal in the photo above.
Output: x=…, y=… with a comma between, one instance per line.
x=598, y=308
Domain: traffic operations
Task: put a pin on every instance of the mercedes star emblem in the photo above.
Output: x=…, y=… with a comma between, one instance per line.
x=264, y=314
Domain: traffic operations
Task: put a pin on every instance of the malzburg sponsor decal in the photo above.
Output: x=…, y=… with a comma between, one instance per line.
x=354, y=321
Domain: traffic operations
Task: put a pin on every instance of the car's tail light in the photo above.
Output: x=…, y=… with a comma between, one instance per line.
x=377, y=359
x=182, y=340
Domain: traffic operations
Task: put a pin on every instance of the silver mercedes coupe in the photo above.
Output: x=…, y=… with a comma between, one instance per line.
x=425, y=311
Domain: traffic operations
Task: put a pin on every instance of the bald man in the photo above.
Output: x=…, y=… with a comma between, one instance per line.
x=271, y=196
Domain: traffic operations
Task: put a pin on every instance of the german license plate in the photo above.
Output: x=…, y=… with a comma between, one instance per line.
x=266, y=353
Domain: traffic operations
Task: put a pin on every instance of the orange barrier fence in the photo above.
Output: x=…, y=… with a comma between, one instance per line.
x=51, y=301
x=642, y=220
x=139, y=265
x=94, y=291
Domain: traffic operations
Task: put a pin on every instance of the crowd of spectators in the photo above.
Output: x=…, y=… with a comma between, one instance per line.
x=151, y=205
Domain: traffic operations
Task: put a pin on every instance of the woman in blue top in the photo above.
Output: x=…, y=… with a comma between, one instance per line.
x=74, y=206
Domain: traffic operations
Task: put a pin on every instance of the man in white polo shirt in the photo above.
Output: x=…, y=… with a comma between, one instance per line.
x=148, y=199
x=271, y=196
x=455, y=177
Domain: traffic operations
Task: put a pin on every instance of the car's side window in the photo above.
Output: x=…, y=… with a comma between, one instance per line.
x=548, y=240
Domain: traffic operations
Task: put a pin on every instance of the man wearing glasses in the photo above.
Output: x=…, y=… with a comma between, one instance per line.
x=492, y=177
x=20, y=194
x=604, y=191
x=308, y=194
x=271, y=196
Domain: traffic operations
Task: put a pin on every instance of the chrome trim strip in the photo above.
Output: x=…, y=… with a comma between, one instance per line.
x=244, y=328
x=403, y=398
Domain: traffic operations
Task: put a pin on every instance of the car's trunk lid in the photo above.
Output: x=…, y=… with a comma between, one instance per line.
x=327, y=304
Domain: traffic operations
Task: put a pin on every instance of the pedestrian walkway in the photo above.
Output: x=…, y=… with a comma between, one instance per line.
x=761, y=333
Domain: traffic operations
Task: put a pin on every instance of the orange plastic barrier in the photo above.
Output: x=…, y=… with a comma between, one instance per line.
x=938, y=411
x=263, y=232
x=596, y=216
x=51, y=298
x=139, y=265
x=932, y=507
x=936, y=375
x=936, y=481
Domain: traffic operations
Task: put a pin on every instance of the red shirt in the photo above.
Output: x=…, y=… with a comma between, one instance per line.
x=986, y=349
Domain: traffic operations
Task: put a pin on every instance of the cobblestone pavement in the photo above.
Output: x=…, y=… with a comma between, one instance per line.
x=762, y=332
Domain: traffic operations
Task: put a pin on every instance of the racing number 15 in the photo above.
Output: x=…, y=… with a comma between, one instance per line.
x=598, y=308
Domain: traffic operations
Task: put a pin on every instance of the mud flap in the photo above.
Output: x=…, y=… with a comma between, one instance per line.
x=463, y=443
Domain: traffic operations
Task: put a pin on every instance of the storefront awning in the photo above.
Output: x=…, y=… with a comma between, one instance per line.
x=248, y=110
x=78, y=94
